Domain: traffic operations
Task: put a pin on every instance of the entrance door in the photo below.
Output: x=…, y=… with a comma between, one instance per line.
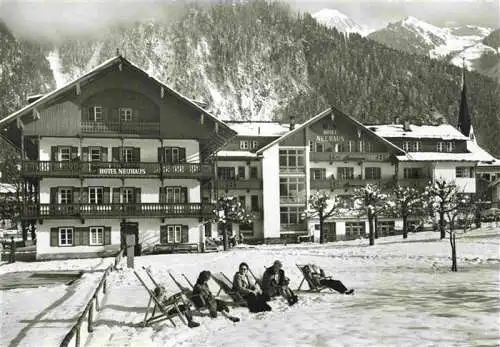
x=130, y=228
x=331, y=232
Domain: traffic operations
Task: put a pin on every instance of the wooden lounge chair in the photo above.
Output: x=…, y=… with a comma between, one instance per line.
x=313, y=287
x=164, y=309
x=226, y=286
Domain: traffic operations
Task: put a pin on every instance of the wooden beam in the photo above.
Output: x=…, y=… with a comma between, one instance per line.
x=19, y=123
x=120, y=66
x=78, y=90
x=162, y=92
x=202, y=118
x=216, y=127
x=36, y=114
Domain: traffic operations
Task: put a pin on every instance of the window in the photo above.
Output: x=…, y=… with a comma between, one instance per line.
x=341, y=147
x=95, y=114
x=292, y=189
x=368, y=147
x=440, y=146
x=385, y=228
x=95, y=153
x=241, y=172
x=175, y=155
x=174, y=233
x=345, y=173
x=254, y=202
x=175, y=195
x=406, y=146
x=354, y=230
x=127, y=195
x=346, y=201
x=416, y=146
x=372, y=173
x=64, y=153
x=65, y=196
x=291, y=215
x=292, y=159
x=125, y=114
x=96, y=236
x=450, y=146
x=413, y=172
x=96, y=195
x=225, y=173
x=246, y=228
x=318, y=174
x=255, y=144
x=127, y=154
x=244, y=145
x=253, y=172
x=464, y=172
x=243, y=201
x=65, y=236
x=351, y=146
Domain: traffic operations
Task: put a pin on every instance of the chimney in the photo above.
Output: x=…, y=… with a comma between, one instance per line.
x=396, y=120
x=292, y=122
x=406, y=125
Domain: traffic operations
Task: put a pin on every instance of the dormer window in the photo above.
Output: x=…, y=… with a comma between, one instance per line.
x=450, y=146
x=125, y=114
x=440, y=146
x=95, y=114
x=244, y=145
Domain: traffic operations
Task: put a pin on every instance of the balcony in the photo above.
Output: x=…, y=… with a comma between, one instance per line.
x=140, y=128
x=226, y=184
x=349, y=184
x=114, y=169
x=418, y=183
x=348, y=156
x=72, y=211
x=293, y=200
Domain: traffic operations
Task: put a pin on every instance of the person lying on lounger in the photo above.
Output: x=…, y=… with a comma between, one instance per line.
x=274, y=283
x=163, y=297
x=318, y=277
x=249, y=290
x=203, y=297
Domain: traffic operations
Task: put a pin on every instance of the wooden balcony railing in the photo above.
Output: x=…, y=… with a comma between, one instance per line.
x=349, y=184
x=239, y=184
x=67, y=211
x=293, y=199
x=414, y=182
x=97, y=169
x=145, y=128
x=348, y=156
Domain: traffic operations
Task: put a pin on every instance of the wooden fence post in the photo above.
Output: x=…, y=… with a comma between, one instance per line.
x=77, y=336
x=97, y=302
x=90, y=325
x=104, y=284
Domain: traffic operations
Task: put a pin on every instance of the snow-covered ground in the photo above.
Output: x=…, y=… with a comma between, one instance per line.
x=405, y=296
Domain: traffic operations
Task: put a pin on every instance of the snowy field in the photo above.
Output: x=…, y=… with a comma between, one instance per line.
x=405, y=296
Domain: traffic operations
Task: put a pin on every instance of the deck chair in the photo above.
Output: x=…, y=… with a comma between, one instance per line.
x=226, y=286
x=197, y=301
x=313, y=287
x=167, y=310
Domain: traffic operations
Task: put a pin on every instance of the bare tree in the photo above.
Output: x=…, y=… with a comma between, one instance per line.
x=322, y=206
x=228, y=210
x=370, y=200
x=407, y=201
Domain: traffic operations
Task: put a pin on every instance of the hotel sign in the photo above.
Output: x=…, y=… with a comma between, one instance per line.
x=121, y=171
x=330, y=135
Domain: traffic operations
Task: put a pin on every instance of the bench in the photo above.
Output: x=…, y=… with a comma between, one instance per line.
x=175, y=248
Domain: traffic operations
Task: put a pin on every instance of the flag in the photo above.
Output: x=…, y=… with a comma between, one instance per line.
x=464, y=119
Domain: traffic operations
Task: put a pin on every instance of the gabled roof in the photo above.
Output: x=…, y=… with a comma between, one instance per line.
x=442, y=131
x=223, y=128
x=323, y=114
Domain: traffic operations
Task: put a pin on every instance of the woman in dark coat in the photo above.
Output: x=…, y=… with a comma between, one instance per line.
x=274, y=283
x=203, y=297
x=248, y=289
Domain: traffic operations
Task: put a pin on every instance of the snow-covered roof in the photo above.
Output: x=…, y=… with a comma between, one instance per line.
x=493, y=164
x=6, y=188
x=239, y=154
x=475, y=154
x=257, y=128
x=442, y=131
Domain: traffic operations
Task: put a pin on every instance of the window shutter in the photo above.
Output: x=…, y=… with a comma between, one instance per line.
x=137, y=195
x=54, y=237
x=74, y=152
x=85, y=154
x=184, y=195
x=135, y=115
x=114, y=115
x=85, y=195
x=53, y=195
x=85, y=114
x=163, y=234
x=161, y=154
x=136, y=154
x=115, y=154
x=105, y=113
x=76, y=237
x=84, y=235
x=53, y=153
x=104, y=154
x=116, y=195
x=107, y=235
x=76, y=195
x=106, y=197
x=163, y=197
x=182, y=155
x=184, y=234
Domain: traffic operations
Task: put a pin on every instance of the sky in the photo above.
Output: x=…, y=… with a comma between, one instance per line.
x=56, y=18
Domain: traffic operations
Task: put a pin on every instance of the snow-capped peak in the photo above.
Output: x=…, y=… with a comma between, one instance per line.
x=334, y=18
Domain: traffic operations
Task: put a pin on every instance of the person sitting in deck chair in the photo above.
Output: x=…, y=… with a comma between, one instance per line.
x=318, y=277
x=163, y=297
x=274, y=283
x=249, y=290
x=203, y=297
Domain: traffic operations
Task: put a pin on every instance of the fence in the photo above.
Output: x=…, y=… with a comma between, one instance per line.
x=74, y=336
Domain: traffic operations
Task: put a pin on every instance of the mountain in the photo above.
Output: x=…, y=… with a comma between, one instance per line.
x=260, y=61
x=455, y=44
x=335, y=19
